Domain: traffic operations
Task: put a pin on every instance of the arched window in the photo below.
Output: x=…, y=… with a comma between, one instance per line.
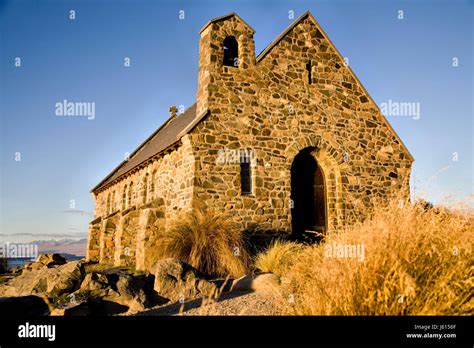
x=145, y=188
x=107, y=206
x=124, y=197
x=130, y=192
x=231, y=52
x=152, y=185
x=112, y=203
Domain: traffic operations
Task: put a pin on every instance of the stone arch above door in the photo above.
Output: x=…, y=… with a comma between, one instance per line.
x=332, y=164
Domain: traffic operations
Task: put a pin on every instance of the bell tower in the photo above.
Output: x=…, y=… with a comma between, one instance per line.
x=226, y=45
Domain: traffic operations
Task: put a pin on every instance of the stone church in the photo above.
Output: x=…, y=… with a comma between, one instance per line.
x=288, y=141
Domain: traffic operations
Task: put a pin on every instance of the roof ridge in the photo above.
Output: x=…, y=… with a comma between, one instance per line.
x=224, y=17
x=285, y=31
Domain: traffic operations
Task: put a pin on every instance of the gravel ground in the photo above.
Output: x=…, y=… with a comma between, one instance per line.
x=230, y=303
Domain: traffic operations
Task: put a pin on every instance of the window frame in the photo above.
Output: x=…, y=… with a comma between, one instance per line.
x=245, y=165
x=225, y=47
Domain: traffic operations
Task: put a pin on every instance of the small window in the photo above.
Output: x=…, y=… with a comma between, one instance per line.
x=245, y=175
x=130, y=192
x=145, y=188
x=308, y=68
x=124, y=197
x=107, y=206
x=112, y=202
x=152, y=185
x=231, y=52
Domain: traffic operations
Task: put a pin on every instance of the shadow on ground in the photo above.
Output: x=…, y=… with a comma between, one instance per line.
x=177, y=308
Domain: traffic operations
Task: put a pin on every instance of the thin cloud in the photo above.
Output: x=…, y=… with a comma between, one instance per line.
x=78, y=212
x=51, y=235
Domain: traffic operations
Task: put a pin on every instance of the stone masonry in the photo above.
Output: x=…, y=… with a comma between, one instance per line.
x=298, y=95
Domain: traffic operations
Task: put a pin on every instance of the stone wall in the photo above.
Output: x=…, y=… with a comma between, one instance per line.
x=128, y=212
x=93, y=240
x=272, y=108
x=168, y=176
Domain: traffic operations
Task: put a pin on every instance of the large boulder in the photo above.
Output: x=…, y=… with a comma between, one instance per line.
x=44, y=261
x=49, y=281
x=128, y=293
x=32, y=267
x=95, y=282
x=266, y=282
x=50, y=260
x=116, y=287
x=243, y=283
x=262, y=282
x=178, y=281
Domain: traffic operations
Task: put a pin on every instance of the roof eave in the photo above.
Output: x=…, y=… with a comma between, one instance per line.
x=132, y=154
x=101, y=184
x=185, y=131
x=193, y=124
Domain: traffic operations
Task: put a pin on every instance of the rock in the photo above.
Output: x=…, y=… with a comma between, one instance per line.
x=92, y=303
x=266, y=282
x=16, y=270
x=22, y=306
x=44, y=260
x=177, y=281
x=128, y=293
x=79, y=303
x=243, y=283
x=206, y=288
x=32, y=266
x=73, y=309
x=95, y=282
x=51, y=259
x=118, y=290
x=50, y=281
x=65, y=278
x=262, y=282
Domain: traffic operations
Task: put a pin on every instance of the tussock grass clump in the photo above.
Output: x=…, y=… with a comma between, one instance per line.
x=206, y=239
x=403, y=260
x=278, y=257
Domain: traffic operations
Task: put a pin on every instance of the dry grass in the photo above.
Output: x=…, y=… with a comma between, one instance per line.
x=278, y=257
x=415, y=261
x=206, y=239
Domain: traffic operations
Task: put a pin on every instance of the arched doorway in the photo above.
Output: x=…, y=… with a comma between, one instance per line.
x=308, y=196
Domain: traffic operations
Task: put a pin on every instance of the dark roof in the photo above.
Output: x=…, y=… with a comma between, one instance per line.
x=169, y=133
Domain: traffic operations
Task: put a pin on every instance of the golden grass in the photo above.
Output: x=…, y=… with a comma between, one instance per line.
x=277, y=258
x=206, y=239
x=411, y=261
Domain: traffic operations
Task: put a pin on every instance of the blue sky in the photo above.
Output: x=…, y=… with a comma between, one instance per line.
x=403, y=60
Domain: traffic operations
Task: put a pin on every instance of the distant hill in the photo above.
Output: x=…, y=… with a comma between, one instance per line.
x=75, y=247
